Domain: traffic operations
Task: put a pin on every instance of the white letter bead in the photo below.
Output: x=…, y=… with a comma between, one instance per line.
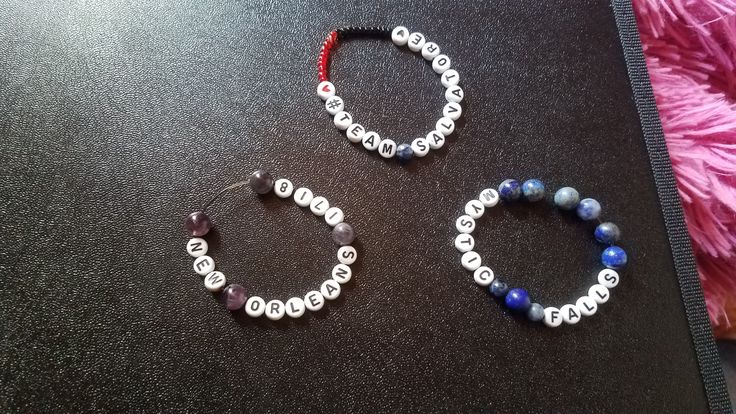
x=483, y=276
x=440, y=64
x=470, y=260
x=334, y=216
x=570, y=314
x=371, y=140
x=586, y=305
x=430, y=50
x=445, y=126
x=465, y=224
x=255, y=306
x=303, y=196
x=283, y=188
x=203, y=265
x=325, y=90
x=454, y=94
x=214, y=281
x=436, y=139
x=341, y=273
x=608, y=278
x=387, y=148
x=420, y=146
x=347, y=255
x=197, y=247
x=275, y=310
x=464, y=242
x=330, y=289
x=416, y=41
x=475, y=209
x=295, y=307
x=552, y=317
x=489, y=197
x=449, y=78
x=452, y=110
x=343, y=120
x=599, y=293
x=314, y=301
x=400, y=35
x=355, y=133
x=334, y=105
x=319, y=206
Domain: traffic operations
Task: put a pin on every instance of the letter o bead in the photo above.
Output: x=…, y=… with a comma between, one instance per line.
x=255, y=306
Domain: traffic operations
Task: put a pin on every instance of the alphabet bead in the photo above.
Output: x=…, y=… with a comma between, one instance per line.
x=416, y=41
x=465, y=224
x=470, y=260
x=387, y=148
x=608, y=278
x=347, y=255
x=599, y=293
x=445, y=126
x=449, y=78
x=440, y=64
x=319, y=206
x=197, y=247
x=325, y=90
x=295, y=307
x=341, y=273
x=570, y=314
x=355, y=133
x=275, y=310
x=255, y=306
x=483, y=276
x=400, y=36
x=489, y=197
x=334, y=105
x=314, y=301
x=303, y=196
x=587, y=305
x=420, y=146
x=454, y=94
x=203, y=265
x=214, y=281
x=334, y=216
x=371, y=140
x=283, y=188
x=464, y=242
x=436, y=140
x=552, y=317
x=452, y=110
x=343, y=120
x=330, y=289
x=430, y=50
x=475, y=209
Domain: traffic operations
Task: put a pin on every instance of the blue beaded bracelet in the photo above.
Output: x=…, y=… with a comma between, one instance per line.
x=517, y=299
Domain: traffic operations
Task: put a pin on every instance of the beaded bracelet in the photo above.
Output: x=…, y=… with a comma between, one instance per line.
x=199, y=224
x=517, y=299
x=355, y=132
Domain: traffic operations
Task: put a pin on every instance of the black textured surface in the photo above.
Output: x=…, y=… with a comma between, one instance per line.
x=119, y=119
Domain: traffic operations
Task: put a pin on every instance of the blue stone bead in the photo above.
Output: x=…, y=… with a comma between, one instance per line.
x=607, y=233
x=589, y=209
x=498, y=288
x=404, y=153
x=509, y=190
x=614, y=257
x=533, y=190
x=535, y=312
x=518, y=300
x=567, y=198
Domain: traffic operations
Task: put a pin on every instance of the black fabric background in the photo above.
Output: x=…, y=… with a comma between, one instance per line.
x=117, y=119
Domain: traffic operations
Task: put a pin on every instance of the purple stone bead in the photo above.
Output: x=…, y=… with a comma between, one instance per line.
x=343, y=234
x=198, y=224
x=261, y=182
x=234, y=297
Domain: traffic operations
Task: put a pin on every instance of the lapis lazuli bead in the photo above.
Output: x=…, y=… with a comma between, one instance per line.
x=404, y=153
x=589, y=209
x=509, y=190
x=533, y=190
x=518, y=300
x=567, y=198
x=535, y=312
x=607, y=233
x=614, y=257
x=498, y=288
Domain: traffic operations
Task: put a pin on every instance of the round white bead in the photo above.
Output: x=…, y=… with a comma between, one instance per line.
x=570, y=314
x=334, y=216
x=330, y=289
x=470, y=260
x=341, y=273
x=452, y=110
x=355, y=133
x=400, y=35
x=445, y=126
x=483, y=276
x=295, y=307
x=430, y=50
x=214, y=281
x=489, y=197
x=319, y=206
x=464, y=242
x=255, y=306
x=283, y=188
x=599, y=293
x=203, y=265
x=440, y=64
x=334, y=105
x=325, y=90
x=465, y=224
x=314, y=301
x=552, y=317
x=454, y=94
x=420, y=146
x=475, y=209
x=343, y=120
x=449, y=78
x=347, y=255
x=387, y=148
x=436, y=139
x=371, y=140
x=586, y=305
x=303, y=196
x=275, y=310
x=416, y=41
x=608, y=278
x=197, y=247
